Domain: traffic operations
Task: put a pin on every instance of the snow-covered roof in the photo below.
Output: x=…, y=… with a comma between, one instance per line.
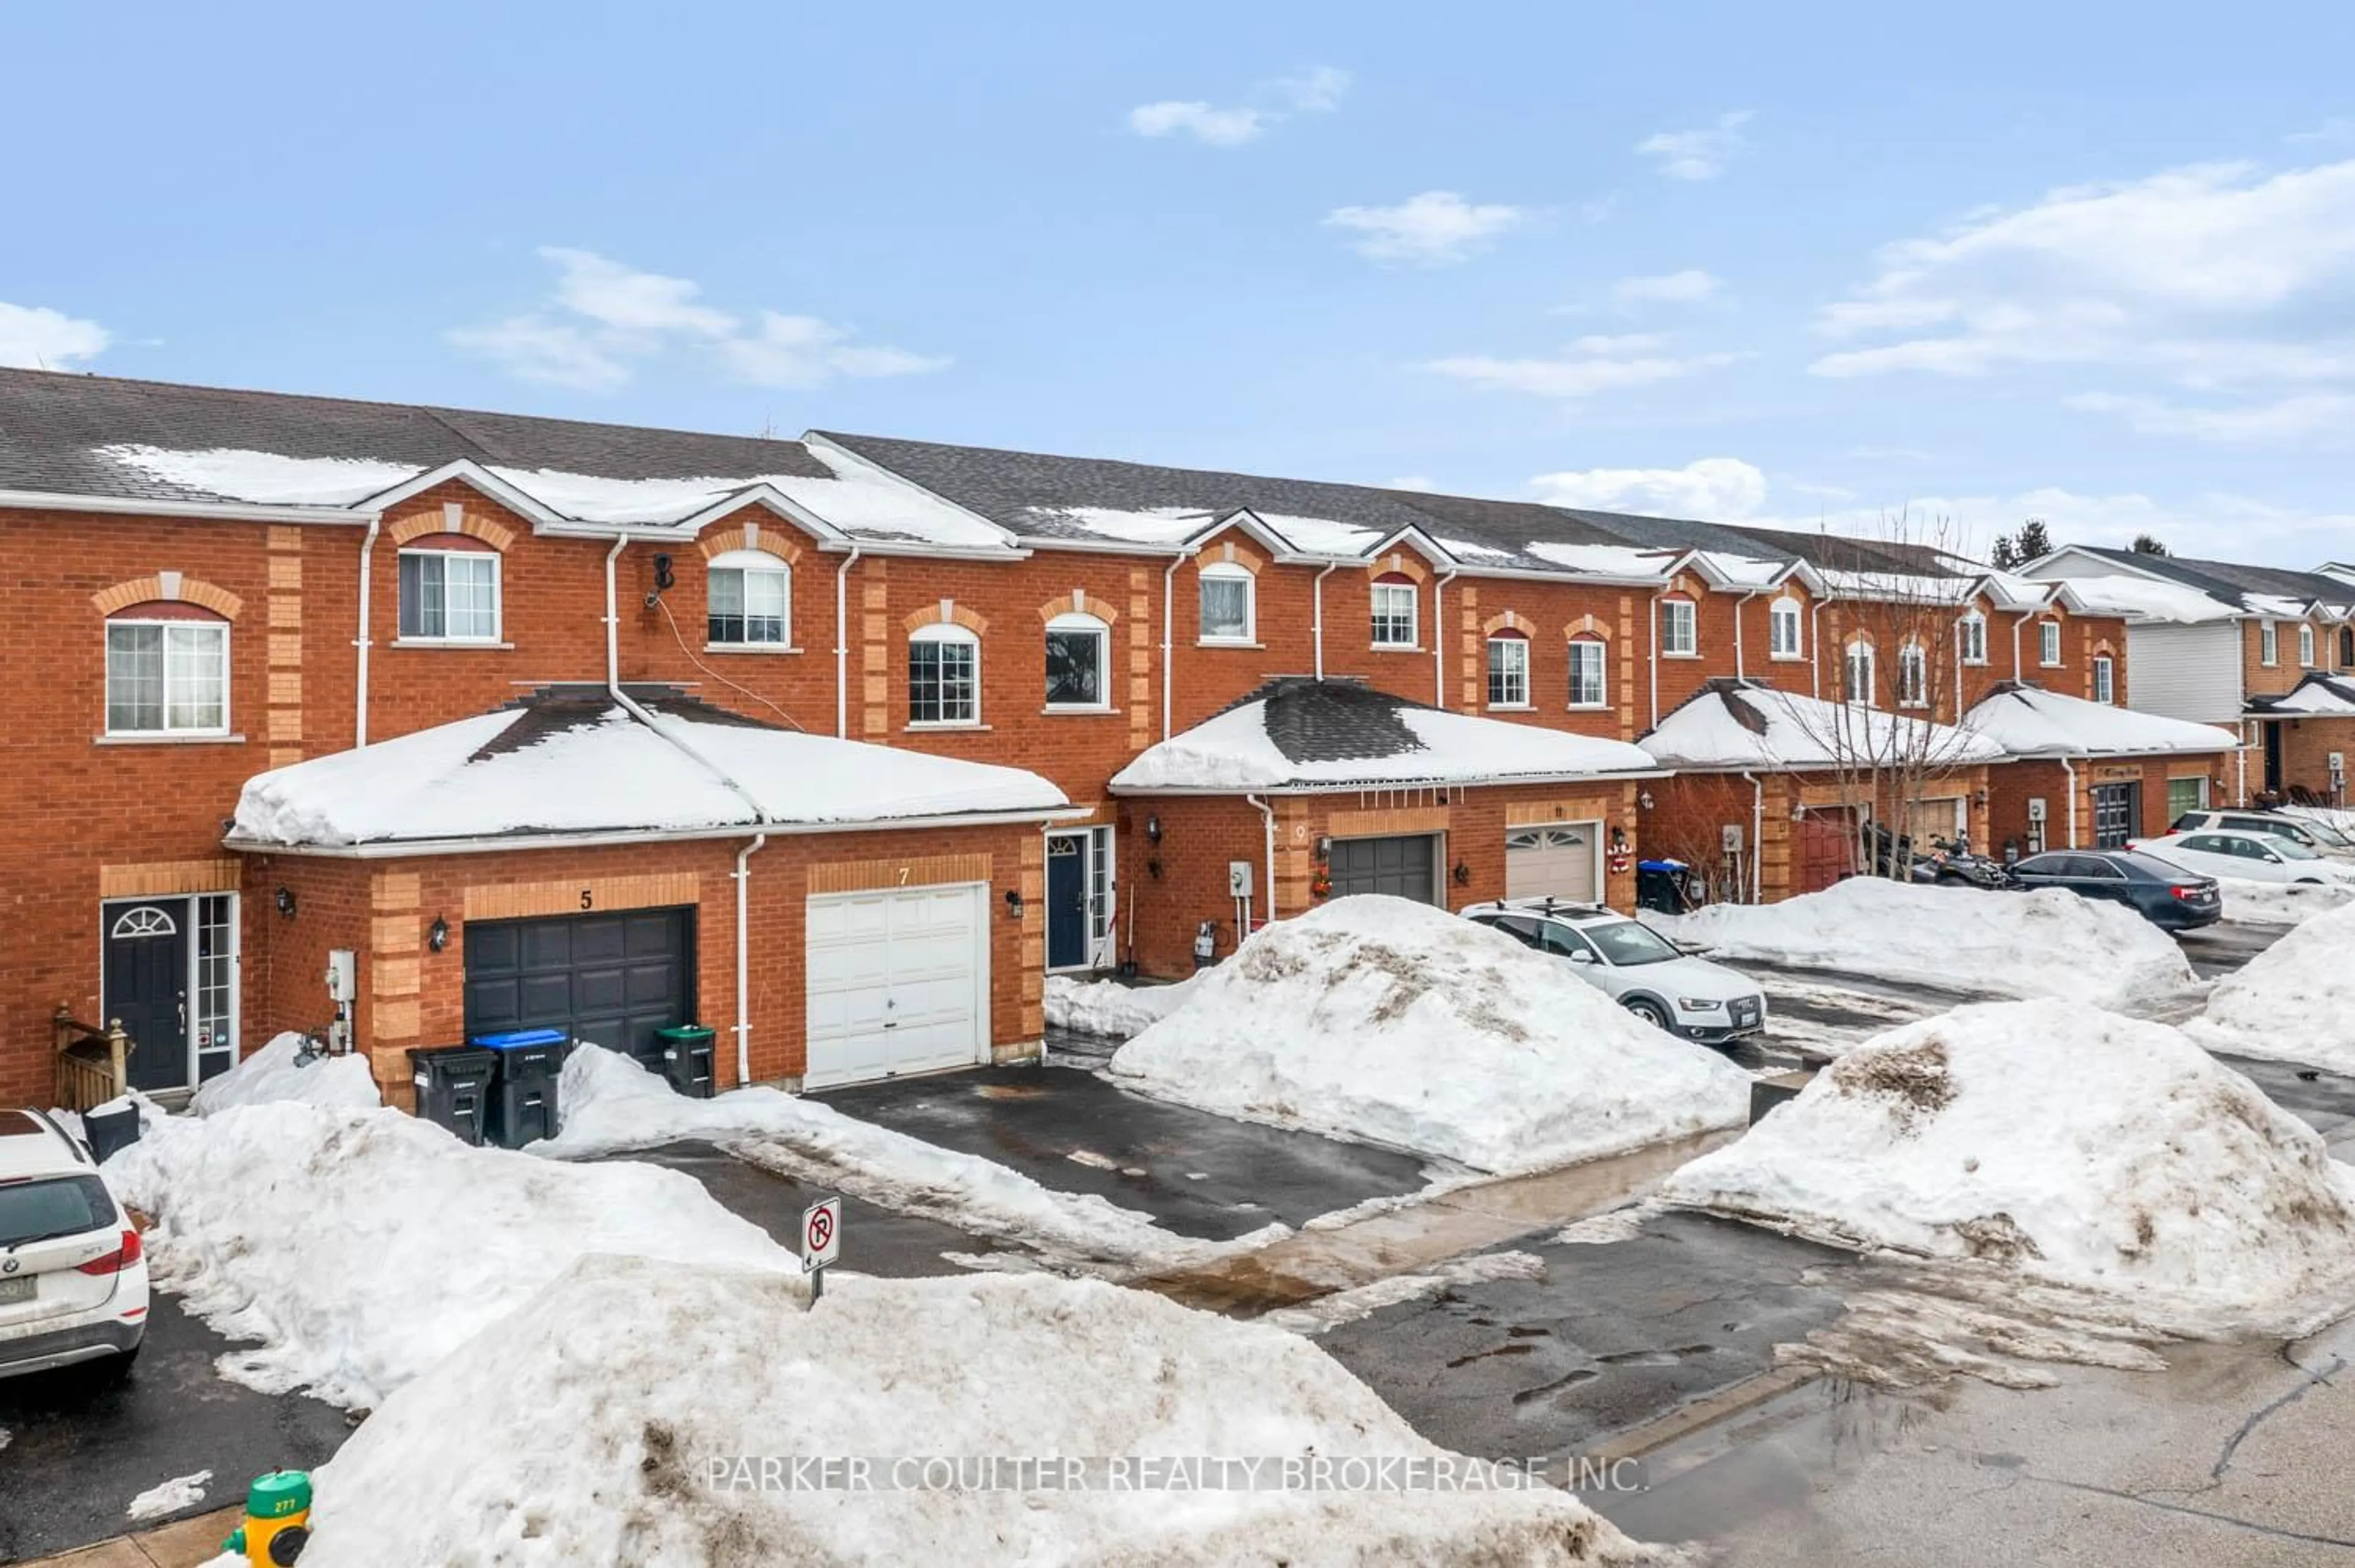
x=2317, y=694
x=1730, y=726
x=1301, y=734
x=2150, y=599
x=2270, y=590
x=572, y=763
x=2027, y=722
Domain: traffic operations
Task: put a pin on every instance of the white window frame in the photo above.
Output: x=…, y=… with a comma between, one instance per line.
x=2105, y=678
x=1971, y=634
x=1228, y=571
x=944, y=632
x=1784, y=611
x=1096, y=626
x=1506, y=642
x=166, y=728
x=2268, y=643
x=747, y=563
x=1601, y=674
x=2048, y=643
x=1390, y=592
x=2306, y=644
x=1858, y=655
x=1686, y=612
x=1912, y=676
x=497, y=633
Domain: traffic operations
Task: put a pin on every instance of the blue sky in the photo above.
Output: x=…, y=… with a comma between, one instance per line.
x=2091, y=263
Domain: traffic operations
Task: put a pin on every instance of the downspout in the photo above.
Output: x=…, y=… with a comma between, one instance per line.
x=842, y=646
x=1317, y=614
x=2068, y=771
x=1168, y=609
x=1757, y=827
x=1267, y=814
x=360, y=721
x=2017, y=622
x=1739, y=673
x=743, y=950
x=1815, y=645
x=1438, y=641
x=2241, y=767
x=1655, y=660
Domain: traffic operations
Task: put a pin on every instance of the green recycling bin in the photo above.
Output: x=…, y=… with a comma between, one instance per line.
x=687, y=1059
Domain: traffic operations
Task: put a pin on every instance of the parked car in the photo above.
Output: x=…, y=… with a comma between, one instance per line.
x=73, y=1276
x=2163, y=893
x=1642, y=970
x=2318, y=837
x=2258, y=857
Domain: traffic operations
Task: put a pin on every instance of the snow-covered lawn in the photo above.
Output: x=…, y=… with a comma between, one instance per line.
x=1108, y=1009
x=2044, y=942
x=610, y=1104
x=624, y=1416
x=274, y=1073
x=359, y=1247
x=2279, y=904
x=1392, y=1022
x=2084, y=1148
x=2293, y=1002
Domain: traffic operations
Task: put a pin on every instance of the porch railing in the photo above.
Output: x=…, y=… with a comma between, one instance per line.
x=93, y=1064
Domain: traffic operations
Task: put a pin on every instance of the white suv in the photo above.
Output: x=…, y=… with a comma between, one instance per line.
x=73, y=1277
x=1636, y=965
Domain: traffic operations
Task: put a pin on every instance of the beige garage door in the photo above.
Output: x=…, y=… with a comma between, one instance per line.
x=1939, y=818
x=1557, y=860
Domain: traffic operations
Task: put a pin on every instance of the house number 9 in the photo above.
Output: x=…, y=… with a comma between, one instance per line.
x=586, y=899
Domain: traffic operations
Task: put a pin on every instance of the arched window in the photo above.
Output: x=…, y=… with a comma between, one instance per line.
x=1912, y=677
x=2306, y=644
x=2105, y=687
x=1229, y=604
x=145, y=919
x=1588, y=659
x=944, y=674
x=1397, y=601
x=2346, y=647
x=750, y=600
x=167, y=671
x=1783, y=621
x=1509, y=670
x=1856, y=674
x=1079, y=656
x=449, y=589
x=1970, y=637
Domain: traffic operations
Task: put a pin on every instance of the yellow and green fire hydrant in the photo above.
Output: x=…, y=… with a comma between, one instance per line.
x=277, y=1519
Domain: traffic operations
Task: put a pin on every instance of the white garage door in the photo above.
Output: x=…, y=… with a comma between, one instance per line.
x=898, y=982
x=1553, y=862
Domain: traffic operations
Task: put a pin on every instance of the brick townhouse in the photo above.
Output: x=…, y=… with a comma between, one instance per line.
x=838, y=745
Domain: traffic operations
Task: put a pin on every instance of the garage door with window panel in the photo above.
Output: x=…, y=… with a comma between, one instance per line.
x=1556, y=861
x=1404, y=867
x=897, y=982
x=2117, y=815
x=609, y=979
x=2186, y=794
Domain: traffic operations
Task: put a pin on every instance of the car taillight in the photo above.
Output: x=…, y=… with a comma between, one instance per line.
x=115, y=1262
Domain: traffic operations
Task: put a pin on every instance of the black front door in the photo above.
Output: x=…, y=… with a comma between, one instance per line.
x=610, y=979
x=2272, y=756
x=146, y=988
x=1067, y=901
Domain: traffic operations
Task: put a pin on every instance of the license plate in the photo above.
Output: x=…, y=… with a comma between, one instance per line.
x=15, y=1290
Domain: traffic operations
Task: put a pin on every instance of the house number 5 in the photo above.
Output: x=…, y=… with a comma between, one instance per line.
x=586, y=899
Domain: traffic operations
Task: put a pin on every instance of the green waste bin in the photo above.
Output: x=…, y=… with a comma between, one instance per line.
x=687, y=1059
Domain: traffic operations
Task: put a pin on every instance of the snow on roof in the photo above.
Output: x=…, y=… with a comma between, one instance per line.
x=2316, y=694
x=1606, y=559
x=582, y=765
x=1743, y=570
x=2029, y=722
x=1731, y=727
x=1901, y=587
x=1303, y=734
x=264, y=478
x=2150, y=599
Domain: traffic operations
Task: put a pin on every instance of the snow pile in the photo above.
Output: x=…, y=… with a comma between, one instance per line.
x=1396, y=1023
x=2044, y=942
x=2293, y=1002
x=274, y=1073
x=1109, y=1009
x=169, y=1497
x=622, y=1418
x=609, y=1104
x=2084, y=1148
x=359, y=1247
x=2279, y=904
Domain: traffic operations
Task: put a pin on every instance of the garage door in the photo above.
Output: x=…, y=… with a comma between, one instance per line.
x=1553, y=862
x=1826, y=847
x=1402, y=867
x=2117, y=811
x=613, y=979
x=1938, y=817
x=898, y=982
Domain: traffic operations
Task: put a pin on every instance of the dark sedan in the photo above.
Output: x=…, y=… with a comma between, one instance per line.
x=2165, y=895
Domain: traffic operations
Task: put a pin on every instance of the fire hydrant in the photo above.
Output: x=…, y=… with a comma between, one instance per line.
x=277, y=1519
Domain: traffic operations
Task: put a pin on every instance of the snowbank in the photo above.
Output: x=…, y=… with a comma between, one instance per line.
x=609, y=1104
x=2085, y=1149
x=272, y=1073
x=1109, y=1009
x=606, y=1423
x=2279, y=904
x=359, y=1247
x=2045, y=943
x=1396, y=1023
x=2293, y=1002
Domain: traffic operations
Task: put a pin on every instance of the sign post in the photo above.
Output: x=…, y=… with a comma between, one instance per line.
x=821, y=1241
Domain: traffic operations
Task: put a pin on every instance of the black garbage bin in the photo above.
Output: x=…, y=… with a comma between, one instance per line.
x=523, y=1093
x=111, y=1128
x=687, y=1059
x=453, y=1087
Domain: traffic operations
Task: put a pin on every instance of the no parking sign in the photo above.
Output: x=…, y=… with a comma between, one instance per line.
x=821, y=1241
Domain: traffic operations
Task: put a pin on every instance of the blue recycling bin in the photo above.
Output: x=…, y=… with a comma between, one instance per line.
x=523, y=1093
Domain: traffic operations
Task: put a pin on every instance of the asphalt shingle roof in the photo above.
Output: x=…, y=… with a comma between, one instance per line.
x=2230, y=581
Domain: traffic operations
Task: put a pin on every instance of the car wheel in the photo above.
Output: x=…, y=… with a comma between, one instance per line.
x=1650, y=1012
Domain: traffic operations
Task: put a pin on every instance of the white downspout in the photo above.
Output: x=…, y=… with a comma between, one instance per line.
x=359, y=720
x=2241, y=767
x=1655, y=656
x=743, y=957
x=1757, y=827
x=842, y=645
x=1317, y=616
x=2069, y=771
x=1168, y=611
x=1815, y=645
x=1267, y=814
x=2017, y=622
x=1438, y=641
x=1739, y=673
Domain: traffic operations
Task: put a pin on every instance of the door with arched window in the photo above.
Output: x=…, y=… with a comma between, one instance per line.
x=146, y=975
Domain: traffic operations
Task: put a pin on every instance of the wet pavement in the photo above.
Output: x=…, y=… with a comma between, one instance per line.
x=1199, y=1175
x=2323, y=1101
x=79, y=1449
x=2218, y=950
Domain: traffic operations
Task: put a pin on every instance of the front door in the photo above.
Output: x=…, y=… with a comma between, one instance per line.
x=1067, y=900
x=146, y=988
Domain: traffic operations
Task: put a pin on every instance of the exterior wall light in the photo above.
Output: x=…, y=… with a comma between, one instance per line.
x=1013, y=904
x=285, y=901
x=437, y=937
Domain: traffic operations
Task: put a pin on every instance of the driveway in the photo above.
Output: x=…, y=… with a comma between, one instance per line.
x=78, y=1450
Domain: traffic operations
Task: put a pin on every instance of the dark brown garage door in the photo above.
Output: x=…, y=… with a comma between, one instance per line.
x=1400, y=866
x=611, y=979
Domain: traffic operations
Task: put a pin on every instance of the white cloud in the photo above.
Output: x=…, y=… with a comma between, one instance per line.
x=34, y=337
x=1413, y=482
x=1433, y=228
x=1700, y=154
x=1586, y=366
x=1721, y=490
x=2307, y=416
x=607, y=318
x=1687, y=287
x=1315, y=90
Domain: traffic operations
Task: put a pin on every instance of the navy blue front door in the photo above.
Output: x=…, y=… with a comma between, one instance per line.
x=1067, y=900
x=148, y=987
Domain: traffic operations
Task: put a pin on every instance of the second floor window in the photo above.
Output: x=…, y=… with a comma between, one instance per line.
x=2306, y=646
x=2105, y=689
x=1586, y=673
x=1783, y=629
x=1678, y=636
x=1509, y=672
x=2268, y=643
x=166, y=678
x=1856, y=674
x=1226, y=599
x=2048, y=642
x=750, y=601
x=1912, y=677
x=448, y=595
x=1395, y=601
x=1077, y=647
x=943, y=675
x=1973, y=635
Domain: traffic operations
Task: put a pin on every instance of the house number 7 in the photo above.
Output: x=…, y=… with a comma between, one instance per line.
x=586, y=899
x=903, y=876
